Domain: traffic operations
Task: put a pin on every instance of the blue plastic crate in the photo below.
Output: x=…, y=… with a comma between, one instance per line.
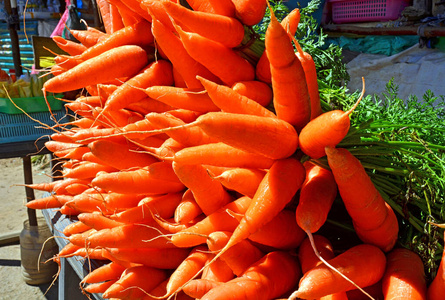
x=20, y=128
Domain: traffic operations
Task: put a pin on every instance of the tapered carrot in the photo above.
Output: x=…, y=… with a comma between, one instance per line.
x=68, y=250
x=210, y=195
x=308, y=259
x=136, y=182
x=183, y=62
x=221, y=154
x=221, y=220
x=151, y=257
x=404, y=277
x=242, y=180
x=197, y=288
x=219, y=59
x=250, y=12
x=217, y=271
x=161, y=205
x=256, y=90
x=115, y=19
x=100, y=69
x=76, y=227
x=230, y=101
x=97, y=220
x=158, y=72
x=240, y=257
x=120, y=156
x=270, y=277
x=105, y=13
x=86, y=170
x=267, y=136
x=351, y=263
x=70, y=47
x=225, y=30
x=136, y=282
x=109, y=271
x=331, y=128
x=122, y=201
x=291, y=96
x=282, y=232
x=126, y=15
x=436, y=289
x=148, y=105
x=317, y=194
x=187, y=210
x=89, y=37
x=99, y=287
x=88, y=203
x=374, y=220
x=52, y=201
x=220, y=7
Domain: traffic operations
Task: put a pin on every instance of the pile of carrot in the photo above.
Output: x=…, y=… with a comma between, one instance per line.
x=192, y=173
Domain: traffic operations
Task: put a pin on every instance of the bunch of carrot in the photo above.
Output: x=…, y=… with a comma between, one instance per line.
x=192, y=171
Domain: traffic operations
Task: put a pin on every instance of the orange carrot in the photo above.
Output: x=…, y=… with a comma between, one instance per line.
x=225, y=30
x=97, y=220
x=317, y=194
x=374, y=220
x=242, y=180
x=351, y=264
x=121, y=201
x=270, y=277
x=109, y=271
x=52, y=201
x=70, y=47
x=99, y=287
x=197, y=288
x=187, y=210
x=76, y=227
x=151, y=257
x=148, y=105
x=86, y=170
x=291, y=97
x=136, y=282
x=88, y=37
x=105, y=13
x=218, y=271
x=331, y=127
x=221, y=220
x=230, y=101
x=256, y=90
x=250, y=12
x=221, y=154
x=308, y=259
x=156, y=73
x=219, y=59
x=404, y=277
x=100, y=69
x=240, y=257
x=210, y=195
x=220, y=7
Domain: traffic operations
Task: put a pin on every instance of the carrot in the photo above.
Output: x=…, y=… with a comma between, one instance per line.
x=187, y=210
x=136, y=282
x=331, y=127
x=86, y=170
x=162, y=205
x=88, y=37
x=122, y=201
x=267, y=136
x=250, y=12
x=308, y=259
x=218, y=271
x=148, y=105
x=210, y=195
x=290, y=24
x=156, y=73
x=99, y=287
x=124, y=236
x=220, y=7
x=291, y=96
x=120, y=156
x=52, y=201
x=197, y=288
x=172, y=47
x=240, y=257
x=350, y=264
x=436, y=288
x=67, y=250
x=256, y=90
x=70, y=47
x=97, y=220
x=105, y=13
x=76, y=227
x=404, y=276
x=374, y=220
x=242, y=180
x=88, y=202
x=282, y=232
x=75, y=153
x=189, y=266
x=115, y=18
x=151, y=257
x=100, y=69
x=230, y=101
x=225, y=30
x=221, y=220
x=317, y=194
x=217, y=58
x=185, y=98
x=109, y=271
x=270, y=277
x=310, y=73
x=89, y=135
x=140, y=181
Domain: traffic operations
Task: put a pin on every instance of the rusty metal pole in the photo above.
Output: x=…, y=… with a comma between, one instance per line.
x=27, y=170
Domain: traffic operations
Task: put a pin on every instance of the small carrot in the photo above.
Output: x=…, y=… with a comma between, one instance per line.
x=105, y=13
x=86, y=170
x=308, y=259
x=52, y=201
x=76, y=227
x=404, y=276
x=220, y=7
x=374, y=220
x=331, y=127
x=97, y=220
x=225, y=30
x=197, y=288
x=109, y=271
x=350, y=264
x=242, y=180
x=88, y=37
x=187, y=210
x=218, y=271
x=122, y=201
x=99, y=287
x=70, y=47
x=250, y=12
x=256, y=90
